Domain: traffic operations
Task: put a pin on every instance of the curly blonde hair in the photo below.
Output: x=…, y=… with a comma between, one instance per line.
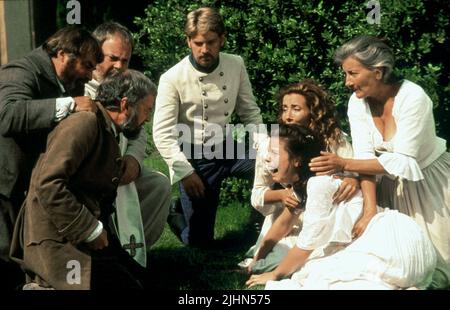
x=323, y=122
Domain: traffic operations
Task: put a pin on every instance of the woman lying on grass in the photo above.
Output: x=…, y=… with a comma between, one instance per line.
x=392, y=253
x=304, y=103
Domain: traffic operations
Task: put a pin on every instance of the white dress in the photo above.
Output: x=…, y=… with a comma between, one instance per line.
x=392, y=253
x=418, y=183
x=262, y=182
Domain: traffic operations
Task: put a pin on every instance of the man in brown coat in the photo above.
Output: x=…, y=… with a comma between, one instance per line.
x=61, y=238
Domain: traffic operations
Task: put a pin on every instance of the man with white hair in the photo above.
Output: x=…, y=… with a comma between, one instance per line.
x=140, y=186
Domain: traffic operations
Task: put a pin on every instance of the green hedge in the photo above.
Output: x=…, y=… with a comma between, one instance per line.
x=286, y=41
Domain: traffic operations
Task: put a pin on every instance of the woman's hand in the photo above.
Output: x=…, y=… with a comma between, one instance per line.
x=347, y=190
x=250, y=266
x=361, y=224
x=260, y=278
x=327, y=164
x=290, y=201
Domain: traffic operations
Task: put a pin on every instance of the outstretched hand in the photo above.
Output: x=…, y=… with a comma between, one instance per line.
x=84, y=103
x=327, y=164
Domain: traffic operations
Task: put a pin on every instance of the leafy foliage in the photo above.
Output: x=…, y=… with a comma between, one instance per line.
x=286, y=41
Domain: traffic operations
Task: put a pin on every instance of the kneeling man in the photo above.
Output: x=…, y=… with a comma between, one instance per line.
x=61, y=238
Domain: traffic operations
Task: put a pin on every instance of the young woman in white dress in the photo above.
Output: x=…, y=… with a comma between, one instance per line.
x=308, y=104
x=394, y=137
x=392, y=253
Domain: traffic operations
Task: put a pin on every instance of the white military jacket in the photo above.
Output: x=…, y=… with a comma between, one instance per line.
x=197, y=102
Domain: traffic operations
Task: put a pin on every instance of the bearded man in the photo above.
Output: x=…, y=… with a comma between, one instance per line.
x=62, y=238
x=36, y=93
x=202, y=92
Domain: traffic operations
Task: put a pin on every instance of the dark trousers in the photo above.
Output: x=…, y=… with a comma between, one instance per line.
x=12, y=274
x=8, y=216
x=114, y=269
x=201, y=213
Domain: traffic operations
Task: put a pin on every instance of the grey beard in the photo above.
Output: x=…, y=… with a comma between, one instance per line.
x=129, y=128
x=132, y=133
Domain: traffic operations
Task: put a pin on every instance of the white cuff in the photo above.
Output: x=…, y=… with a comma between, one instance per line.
x=97, y=232
x=257, y=201
x=64, y=106
x=179, y=171
x=400, y=165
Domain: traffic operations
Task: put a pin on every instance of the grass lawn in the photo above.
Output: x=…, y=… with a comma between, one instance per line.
x=173, y=266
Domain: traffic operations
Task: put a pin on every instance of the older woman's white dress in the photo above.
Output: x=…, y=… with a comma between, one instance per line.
x=392, y=253
x=418, y=183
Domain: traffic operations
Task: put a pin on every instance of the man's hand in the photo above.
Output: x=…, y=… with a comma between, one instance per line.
x=84, y=103
x=347, y=190
x=131, y=170
x=100, y=242
x=194, y=186
x=327, y=164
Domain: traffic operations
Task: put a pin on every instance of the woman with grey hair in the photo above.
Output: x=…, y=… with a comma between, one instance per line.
x=394, y=137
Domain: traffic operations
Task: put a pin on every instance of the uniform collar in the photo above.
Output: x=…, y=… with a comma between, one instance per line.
x=202, y=69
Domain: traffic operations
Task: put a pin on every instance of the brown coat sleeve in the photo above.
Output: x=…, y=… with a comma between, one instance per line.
x=68, y=146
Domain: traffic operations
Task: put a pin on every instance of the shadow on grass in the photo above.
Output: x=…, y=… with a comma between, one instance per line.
x=173, y=266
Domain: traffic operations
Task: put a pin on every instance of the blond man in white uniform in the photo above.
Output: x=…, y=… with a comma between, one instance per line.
x=199, y=95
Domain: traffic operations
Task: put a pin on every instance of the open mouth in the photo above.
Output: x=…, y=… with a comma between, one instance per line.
x=271, y=166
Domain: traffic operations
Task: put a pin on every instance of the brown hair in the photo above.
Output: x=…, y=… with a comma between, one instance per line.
x=74, y=41
x=204, y=20
x=300, y=144
x=323, y=121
